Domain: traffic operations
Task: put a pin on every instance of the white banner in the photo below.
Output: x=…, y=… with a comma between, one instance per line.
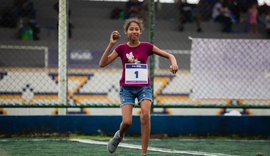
x=230, y=69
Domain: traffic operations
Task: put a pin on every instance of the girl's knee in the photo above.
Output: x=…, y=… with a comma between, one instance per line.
x=127, y=123
x=145, y=117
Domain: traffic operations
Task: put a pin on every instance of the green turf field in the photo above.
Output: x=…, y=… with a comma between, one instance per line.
x=130, y=147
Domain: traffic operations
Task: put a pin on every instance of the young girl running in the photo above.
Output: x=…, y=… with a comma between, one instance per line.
x=135, y=82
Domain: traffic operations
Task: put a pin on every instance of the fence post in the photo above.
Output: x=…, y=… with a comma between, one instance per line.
x=62, y=58
x=151, y=40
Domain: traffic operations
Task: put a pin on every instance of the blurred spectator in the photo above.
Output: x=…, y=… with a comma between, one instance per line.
x=221, y=14
x=26, y=32
x=235, y=7
x=25, y=25
x=25, y=16
x=253, y=15
x=187, y=14
x=268, y=23
x=134, y=8
x=70, y=25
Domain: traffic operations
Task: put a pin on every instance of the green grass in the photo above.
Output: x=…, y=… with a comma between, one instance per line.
x=61, y=146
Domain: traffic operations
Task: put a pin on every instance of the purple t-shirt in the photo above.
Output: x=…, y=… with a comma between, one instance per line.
x=136, y=55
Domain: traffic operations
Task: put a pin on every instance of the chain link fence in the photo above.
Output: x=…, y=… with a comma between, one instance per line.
x=33, y=53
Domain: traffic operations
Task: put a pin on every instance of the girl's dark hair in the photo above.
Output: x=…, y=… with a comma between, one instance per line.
x=133, y=20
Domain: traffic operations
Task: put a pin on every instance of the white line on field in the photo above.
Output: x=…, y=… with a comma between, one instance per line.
x=31, y=140
x=222, y=140
x=151, y=148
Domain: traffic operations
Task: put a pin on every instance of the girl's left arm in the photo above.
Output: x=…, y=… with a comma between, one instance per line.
x=173, y=67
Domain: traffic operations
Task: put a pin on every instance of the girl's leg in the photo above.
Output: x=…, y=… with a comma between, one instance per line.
x=126, y=119
x=145, y=124
x=256, y=29
x=250, y=28
x=126, y=123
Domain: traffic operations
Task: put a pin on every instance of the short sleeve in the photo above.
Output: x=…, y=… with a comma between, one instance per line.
x=150, y=48
x=118, y=49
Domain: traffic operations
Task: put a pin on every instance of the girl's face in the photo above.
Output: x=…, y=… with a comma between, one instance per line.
x=133, y=32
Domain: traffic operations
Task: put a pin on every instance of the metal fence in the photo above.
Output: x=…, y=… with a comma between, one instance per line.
x=216, y=68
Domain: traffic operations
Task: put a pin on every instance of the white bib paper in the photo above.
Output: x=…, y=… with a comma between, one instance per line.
x=136, y=74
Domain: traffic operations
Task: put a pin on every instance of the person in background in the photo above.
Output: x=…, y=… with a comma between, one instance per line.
x=253, y=15
x=221, y=15
x=188, y=14
x=134, y=8
x=235, y=6
x=25, y=16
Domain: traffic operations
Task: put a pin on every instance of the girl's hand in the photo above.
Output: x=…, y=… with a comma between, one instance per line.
x=173, y=69
x=111, y=38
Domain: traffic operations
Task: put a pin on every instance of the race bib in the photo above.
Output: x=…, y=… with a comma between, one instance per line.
x=136, y=74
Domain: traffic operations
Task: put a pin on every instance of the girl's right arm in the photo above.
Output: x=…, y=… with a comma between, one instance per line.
x=106, y=58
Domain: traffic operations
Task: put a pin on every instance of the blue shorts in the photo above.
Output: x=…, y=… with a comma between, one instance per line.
x=128, y=94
